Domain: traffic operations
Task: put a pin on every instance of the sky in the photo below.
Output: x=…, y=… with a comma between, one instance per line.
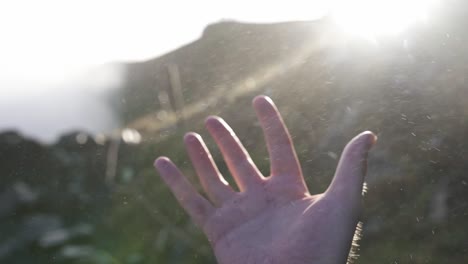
x=47, y=47
x=42, y=38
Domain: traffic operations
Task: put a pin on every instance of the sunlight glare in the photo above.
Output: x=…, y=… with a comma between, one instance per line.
x=51, y=40
x=371, y=18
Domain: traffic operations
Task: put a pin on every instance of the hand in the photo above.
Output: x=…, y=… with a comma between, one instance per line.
x=272, y=219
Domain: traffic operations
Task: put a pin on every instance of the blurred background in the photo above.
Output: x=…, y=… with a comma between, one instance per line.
x=92, y=91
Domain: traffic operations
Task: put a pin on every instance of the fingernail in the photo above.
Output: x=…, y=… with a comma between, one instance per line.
x=161, y=162
x=191, y=137
x=370, y=139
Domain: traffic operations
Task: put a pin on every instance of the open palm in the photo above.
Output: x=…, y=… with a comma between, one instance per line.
x=271, y=219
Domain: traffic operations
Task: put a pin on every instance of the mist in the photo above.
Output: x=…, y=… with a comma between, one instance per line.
x=44, y=110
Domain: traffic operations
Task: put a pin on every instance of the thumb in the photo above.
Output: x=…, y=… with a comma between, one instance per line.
x=349, y=176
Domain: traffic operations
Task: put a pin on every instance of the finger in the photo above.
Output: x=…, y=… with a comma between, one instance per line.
x=196, y=206
x=282, y=154
x=237, y=159
x=349, y=177
x=213, y=183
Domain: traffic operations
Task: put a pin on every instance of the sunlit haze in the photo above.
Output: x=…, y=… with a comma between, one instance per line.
x=47, y=45
x=47, y=40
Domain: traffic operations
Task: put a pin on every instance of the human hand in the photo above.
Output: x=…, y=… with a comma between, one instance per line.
x=272, y=219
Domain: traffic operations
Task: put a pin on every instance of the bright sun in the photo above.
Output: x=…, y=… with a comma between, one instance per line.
x=371, y=18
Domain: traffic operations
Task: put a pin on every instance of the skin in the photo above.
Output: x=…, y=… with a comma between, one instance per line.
x=272, y=219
